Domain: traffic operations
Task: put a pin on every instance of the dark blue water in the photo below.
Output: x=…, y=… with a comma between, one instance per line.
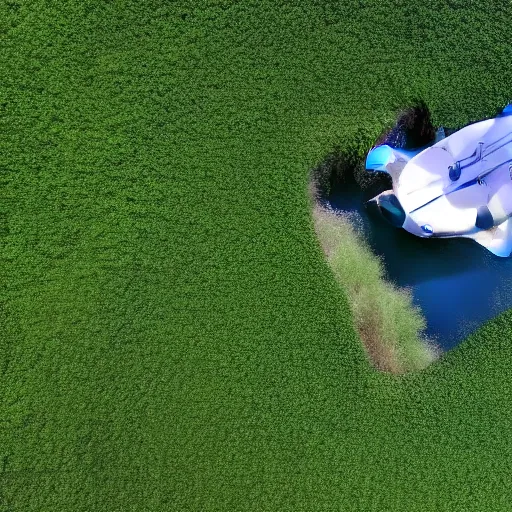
x=457, y=283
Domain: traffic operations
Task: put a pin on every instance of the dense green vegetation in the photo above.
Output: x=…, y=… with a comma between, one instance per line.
x=172, y=335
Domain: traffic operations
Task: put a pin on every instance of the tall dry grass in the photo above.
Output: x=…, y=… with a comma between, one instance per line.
x=390, y=326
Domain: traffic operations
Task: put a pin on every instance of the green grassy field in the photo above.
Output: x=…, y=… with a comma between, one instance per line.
x=172, y=335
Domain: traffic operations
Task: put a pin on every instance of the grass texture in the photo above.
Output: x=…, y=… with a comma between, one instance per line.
x=390, y=326
x=172, y=335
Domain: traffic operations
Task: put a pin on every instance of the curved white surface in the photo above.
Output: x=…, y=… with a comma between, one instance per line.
x=469, y=173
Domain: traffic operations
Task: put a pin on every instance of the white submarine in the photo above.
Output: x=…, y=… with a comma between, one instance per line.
x=459, y=186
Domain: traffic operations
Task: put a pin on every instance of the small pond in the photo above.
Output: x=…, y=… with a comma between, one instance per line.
x=457, y=283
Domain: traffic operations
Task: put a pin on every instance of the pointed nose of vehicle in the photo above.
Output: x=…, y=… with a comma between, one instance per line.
x=389, y=207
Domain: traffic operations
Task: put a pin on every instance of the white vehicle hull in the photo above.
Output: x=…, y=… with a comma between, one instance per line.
x=461, y=186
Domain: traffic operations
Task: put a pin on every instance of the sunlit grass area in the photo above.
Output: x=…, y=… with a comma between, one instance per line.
x=390, y=326
x=172, y=337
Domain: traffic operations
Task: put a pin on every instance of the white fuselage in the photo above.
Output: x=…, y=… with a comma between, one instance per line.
x=479, y=158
